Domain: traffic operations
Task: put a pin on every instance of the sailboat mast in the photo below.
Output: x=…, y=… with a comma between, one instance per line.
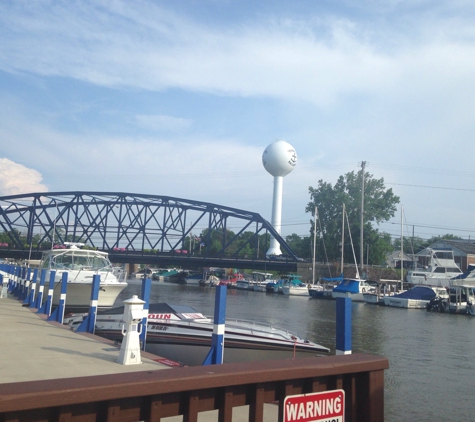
x=363, y=164
x=402, y=246
x=314, y=243
x=342, y=238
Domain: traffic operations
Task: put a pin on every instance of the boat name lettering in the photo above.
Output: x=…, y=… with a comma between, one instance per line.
x=161, y=316
x=158, y=328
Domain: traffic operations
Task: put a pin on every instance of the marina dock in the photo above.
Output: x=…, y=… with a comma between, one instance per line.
x=34, y=349
x=51, y=373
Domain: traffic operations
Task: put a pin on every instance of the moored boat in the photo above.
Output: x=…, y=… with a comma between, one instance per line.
x=353, y=288
x=416, y=298
x=460, y=300
x=81, y=265
x=260, y=280
x=440, y=269
x=293, y=285
x=183, y=334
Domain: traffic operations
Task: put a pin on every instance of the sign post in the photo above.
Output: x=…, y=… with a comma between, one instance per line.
x=327, y=406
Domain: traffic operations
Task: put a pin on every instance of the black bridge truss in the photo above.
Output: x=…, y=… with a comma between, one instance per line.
x=136, y=228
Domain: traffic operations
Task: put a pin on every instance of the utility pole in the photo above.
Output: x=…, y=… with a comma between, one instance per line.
x=363, y=165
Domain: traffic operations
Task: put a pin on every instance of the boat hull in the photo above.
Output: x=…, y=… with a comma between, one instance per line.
x=194, y=355
x=78, y=295
x=355, y=297
x=405, y=303
x=295, y=291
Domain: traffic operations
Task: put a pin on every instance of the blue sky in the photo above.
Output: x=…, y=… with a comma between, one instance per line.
x=182, y=98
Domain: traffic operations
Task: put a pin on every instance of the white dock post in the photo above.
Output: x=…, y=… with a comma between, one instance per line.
x=133, y=314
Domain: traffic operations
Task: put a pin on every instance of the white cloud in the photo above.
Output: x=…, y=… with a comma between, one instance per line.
x=148, y=47
x=16, y=179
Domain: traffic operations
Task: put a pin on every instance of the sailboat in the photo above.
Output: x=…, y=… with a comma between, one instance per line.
x=322, y=290
x=353, y=288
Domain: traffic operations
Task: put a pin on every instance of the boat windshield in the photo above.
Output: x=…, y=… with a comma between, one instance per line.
x=84, y=260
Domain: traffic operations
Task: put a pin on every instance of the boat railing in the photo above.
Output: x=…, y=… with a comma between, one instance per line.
x=149, y=396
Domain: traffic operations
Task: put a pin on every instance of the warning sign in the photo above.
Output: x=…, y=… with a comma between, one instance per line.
x=327, y=406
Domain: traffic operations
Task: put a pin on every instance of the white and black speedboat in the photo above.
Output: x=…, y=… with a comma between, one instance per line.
x=183, y=334
x=81, y=265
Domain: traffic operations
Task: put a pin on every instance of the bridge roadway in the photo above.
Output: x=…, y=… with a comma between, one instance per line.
x=183, y=261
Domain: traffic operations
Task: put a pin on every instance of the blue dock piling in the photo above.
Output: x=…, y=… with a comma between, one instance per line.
x=89, y=323
x=145, y=296
x=343, y=326
x=26, y=285
x=46, y=307
x=58, y=314
x=30, y=297
x=216, y=353
x=39, y=297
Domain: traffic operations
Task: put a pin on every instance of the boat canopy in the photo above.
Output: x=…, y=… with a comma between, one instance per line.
x=418, y=292
x=348, y=285
x=469, y=273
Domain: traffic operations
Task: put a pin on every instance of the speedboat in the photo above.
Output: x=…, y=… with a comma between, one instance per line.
x=353, y=288
x=416, y=298
x=183, y=334
x=440, y=269
x=81, y=265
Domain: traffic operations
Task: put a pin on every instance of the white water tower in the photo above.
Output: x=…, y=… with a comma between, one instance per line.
x=279, y=159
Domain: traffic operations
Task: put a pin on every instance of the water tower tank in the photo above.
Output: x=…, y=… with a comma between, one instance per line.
x=279, y=159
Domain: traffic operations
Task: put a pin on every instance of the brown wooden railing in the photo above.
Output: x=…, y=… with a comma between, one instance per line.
x=152, y=395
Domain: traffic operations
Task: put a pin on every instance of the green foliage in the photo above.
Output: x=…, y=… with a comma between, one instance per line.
x=379, y=206
x=300, y=245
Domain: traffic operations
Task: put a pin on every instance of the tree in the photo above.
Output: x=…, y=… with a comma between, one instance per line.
x=379, y=205
x=300, y=245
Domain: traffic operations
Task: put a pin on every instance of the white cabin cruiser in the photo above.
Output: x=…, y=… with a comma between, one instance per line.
x=440, y=269
x=81, y=265
x=183, y=334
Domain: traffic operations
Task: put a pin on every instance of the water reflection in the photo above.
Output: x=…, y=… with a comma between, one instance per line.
x=432, y=361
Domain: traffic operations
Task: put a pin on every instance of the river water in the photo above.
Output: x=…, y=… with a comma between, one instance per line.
x=431, y=355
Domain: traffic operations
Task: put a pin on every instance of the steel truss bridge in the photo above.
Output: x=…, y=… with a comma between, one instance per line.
x=138, y=228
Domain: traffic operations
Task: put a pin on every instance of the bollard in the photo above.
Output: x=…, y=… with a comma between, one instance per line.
x=88, y=324
x=39, y=297
x=145, y=296
x=343, y=326
x=130, y=348
x=216, y=353
x=58, y=314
